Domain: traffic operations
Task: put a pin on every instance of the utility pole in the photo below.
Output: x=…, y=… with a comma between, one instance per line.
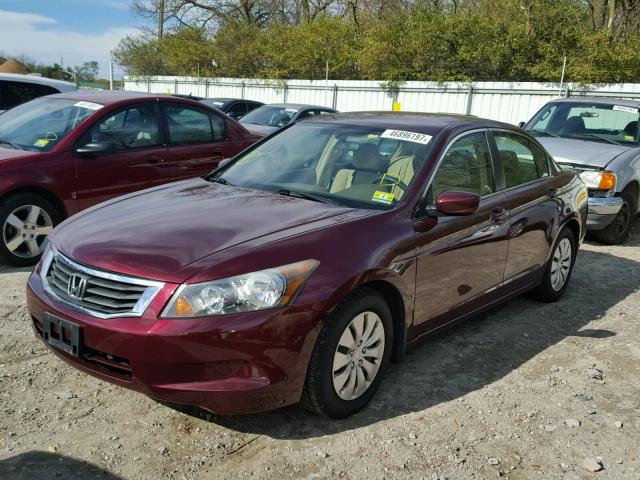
x=160, y=19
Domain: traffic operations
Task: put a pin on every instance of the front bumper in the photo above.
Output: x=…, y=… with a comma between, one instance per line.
x=233, y=364
x=602, y=211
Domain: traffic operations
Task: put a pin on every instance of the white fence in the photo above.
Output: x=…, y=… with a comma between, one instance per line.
x=505, y=101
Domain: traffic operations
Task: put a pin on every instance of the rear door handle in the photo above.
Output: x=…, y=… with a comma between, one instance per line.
x=217, y=150
x=499, y=214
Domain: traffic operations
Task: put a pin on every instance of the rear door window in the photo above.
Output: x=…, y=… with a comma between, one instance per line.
x=519, y=162
x=188, y=124
x=237, y=110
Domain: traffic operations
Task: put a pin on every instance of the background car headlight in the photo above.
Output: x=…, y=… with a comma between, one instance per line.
x=599, y=180
x=269, y=288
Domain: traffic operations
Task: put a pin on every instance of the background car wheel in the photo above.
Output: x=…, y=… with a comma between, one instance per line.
x=350, y=356
x=558, y=273
x=26, y=220
x=618, y=230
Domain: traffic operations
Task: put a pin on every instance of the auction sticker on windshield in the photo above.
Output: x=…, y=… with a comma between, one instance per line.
x=407, y=136
x=88, y=105
x=620, y=108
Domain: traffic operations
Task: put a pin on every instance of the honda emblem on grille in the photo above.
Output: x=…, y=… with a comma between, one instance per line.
x=77, y=286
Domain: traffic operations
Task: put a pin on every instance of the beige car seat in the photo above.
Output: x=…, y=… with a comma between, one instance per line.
x=368, y=165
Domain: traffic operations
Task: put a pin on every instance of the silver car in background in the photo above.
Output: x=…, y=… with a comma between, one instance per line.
x=599, y=138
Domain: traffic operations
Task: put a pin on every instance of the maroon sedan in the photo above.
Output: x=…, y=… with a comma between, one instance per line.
x=301, y=268
x=63, y=153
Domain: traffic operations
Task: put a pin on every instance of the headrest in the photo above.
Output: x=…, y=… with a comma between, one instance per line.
x=574, y=125
x=509, y=159
x=367, y=157
x=631, y=129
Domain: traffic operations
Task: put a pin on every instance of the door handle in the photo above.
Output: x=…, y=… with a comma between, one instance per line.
x=153, y=159
x=217, y=150
x=552, y=192
x=499, y=214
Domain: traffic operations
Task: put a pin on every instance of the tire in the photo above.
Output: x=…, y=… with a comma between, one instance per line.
x=321, y=395
x=26, y=220
x=618, y=230
x=549, y=289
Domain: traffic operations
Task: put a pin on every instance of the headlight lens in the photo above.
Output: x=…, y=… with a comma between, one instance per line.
x=244, y=293
x=599, y=180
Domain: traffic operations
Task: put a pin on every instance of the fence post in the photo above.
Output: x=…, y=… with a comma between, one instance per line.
x=206, y=88
x=469, y=99
x=242, y=90
x=334, y=102
x=148, y=85
x=175, y=85
x=285, y=92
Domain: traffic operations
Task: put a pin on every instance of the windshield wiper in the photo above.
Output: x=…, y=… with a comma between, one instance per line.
x=12, y=145
x=220, y=180
x=544, y=132
x=597, y=137
x=306, y=196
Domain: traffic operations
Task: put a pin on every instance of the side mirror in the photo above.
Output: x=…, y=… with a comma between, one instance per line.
x=522, y=124
x=223, y=162
x=457, y=203
x=97, y=148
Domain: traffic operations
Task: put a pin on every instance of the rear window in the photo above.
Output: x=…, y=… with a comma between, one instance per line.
x=15, y=93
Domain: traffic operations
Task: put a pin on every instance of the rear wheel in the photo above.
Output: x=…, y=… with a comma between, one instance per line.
x=618, y=230
x=559, y=267
x=350, y=356
x=26, y=220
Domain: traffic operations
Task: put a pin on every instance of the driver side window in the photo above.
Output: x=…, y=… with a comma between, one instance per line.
x=133, y=127
x=466, y=167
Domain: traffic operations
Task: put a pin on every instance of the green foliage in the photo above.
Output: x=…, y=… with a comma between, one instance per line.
x=509, y=40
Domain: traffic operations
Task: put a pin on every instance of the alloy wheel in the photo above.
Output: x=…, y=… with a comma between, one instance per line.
x=358, y=356
x=25, y=230
x=561, y=264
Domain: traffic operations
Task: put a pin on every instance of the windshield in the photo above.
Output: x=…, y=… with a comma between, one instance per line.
x=354, y=166
x=39, y=125
x=617, y=124
x=270, y=116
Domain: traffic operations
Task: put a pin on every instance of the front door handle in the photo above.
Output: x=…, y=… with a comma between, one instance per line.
x=552, y=192
x=217, y=150
x=153, y=159
x=499, y=214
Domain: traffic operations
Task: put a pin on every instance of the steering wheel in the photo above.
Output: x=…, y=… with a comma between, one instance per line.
x=394, y=183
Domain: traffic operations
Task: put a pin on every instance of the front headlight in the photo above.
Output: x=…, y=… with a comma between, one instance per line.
x=269, y=288
x=599, y=180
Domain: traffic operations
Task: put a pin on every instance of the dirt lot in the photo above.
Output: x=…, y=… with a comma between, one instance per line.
x=527, y=391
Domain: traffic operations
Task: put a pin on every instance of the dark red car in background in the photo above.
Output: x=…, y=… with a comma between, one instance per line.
x=63, y=153
x=300, y=268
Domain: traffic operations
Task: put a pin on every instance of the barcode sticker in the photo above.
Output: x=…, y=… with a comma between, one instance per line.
x=407, y=136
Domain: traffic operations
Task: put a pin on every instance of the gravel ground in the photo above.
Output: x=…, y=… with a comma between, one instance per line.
x=526, y=391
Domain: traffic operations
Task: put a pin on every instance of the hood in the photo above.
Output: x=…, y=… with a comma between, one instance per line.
x=261, y=130
x=157, y=234
x=11, y=153
x=581, y=152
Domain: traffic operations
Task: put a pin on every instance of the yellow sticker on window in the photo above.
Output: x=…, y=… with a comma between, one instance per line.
x=629, y=138
x=41, y=142
x=382, y=197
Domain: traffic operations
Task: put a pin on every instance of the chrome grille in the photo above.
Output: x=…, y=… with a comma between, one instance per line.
x=97, y=292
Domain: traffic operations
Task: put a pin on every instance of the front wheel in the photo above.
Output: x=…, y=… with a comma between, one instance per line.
x=559, y=267
x=350, y=356
x=26, y=221
x=618, y=230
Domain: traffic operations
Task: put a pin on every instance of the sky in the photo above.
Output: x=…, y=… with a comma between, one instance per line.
x=76, y=30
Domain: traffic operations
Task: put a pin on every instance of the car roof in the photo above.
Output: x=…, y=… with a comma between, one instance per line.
x=60, y=85
x=107, y=97
x=298, y=106
x=428, y=123
x=600, y=101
